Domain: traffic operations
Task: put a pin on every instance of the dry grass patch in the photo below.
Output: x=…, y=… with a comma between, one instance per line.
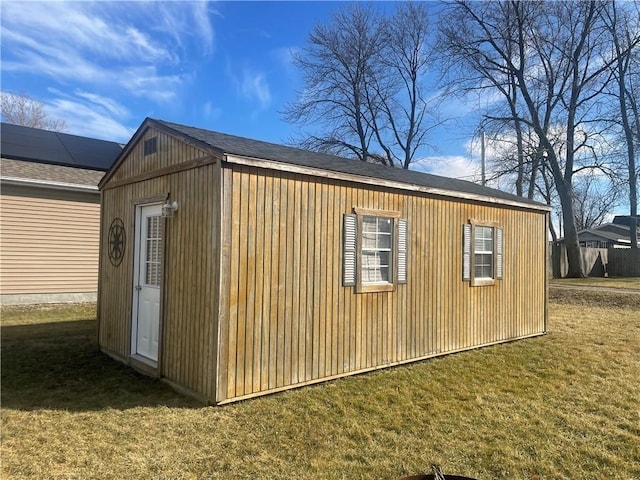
x=632, y=283
x=562, y=406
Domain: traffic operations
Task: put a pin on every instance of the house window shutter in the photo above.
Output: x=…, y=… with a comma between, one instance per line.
x=499, y=253
x=349, y=250
x=402, y=250
x=466, y=252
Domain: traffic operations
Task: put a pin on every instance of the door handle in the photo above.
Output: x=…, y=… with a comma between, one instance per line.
x=138, y=287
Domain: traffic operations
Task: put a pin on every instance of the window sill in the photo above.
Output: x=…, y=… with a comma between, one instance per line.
x=483, y=282
x=381, y=287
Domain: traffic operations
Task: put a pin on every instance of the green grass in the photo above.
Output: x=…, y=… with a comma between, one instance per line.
x=561, y=406
x=612, y=282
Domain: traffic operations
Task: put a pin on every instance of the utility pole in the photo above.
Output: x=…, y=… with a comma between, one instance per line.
x=482, y=159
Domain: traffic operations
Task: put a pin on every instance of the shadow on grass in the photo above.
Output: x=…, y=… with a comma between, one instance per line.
x=59, y=366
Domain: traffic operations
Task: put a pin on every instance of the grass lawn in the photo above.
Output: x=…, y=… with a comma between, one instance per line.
x=562, y=406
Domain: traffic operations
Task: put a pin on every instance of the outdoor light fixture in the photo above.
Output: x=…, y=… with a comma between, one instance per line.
x=169, y=208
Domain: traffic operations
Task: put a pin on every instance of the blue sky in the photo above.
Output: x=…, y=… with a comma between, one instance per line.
x=226, y=66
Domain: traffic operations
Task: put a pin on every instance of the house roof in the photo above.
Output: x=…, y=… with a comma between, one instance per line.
x=42, y=174
x=269, y=155
x=609, y=232
x=601, y=235
x=625, y=220
x=43, y=146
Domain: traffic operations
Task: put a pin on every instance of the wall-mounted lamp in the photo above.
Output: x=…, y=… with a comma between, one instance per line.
x=169, y=208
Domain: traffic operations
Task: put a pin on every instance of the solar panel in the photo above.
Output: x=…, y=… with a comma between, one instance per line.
x=33, y=144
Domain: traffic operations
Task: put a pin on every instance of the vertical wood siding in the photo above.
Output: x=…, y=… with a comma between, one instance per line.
x=190, y=289
x=170, y=152
x=49, y=241
x=287, y=320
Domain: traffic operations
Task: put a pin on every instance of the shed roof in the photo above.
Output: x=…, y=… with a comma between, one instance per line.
x=43, y=146
x=279, y=155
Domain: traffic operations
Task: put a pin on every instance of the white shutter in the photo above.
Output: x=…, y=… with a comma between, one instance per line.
x=402, y=250
x=499, y=253
x=349, y=250
x=466, y=252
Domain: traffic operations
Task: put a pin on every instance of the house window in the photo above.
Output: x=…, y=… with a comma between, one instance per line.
x=482, y=254
x=375, y=250
x=150, y=146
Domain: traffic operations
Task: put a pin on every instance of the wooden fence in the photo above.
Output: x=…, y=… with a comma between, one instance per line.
x=623, y=262
x=598, y=262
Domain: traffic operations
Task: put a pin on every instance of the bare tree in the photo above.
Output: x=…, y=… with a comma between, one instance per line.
x=335, y=66
x=594, y=199
x=623, y=25
x=399, y=90
x=22, y=110
x=556, y=55
x=364, y=76
x=472, y=68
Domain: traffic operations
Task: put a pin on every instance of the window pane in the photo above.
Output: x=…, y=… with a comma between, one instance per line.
x=376, y=251
x=370, y=259
x=483, y=265
x=369, y=225
x=385, y=225
x=153, y=258
x=483, y=252
x=369, y=241
x=384, y=241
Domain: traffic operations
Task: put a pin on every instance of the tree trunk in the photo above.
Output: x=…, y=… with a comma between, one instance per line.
x=572, y=244
x=633, y=176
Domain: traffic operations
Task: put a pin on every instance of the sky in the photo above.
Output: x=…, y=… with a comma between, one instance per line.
x=104, y=67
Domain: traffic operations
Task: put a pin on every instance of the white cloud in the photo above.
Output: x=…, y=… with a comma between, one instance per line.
x=182, y=20
x=255, y=87
x=250, y=85
x=453, y=166
x=211, y=112
x=284, y=58
x=107, y=104
x=106, y=44
x=90, y=115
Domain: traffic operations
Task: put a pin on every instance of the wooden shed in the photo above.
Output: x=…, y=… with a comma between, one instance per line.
x=232, y=268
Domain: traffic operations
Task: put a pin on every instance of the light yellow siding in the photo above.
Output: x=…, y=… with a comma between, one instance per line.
x=48, y=244
x=190, y=282
x=252, y=295
x=288, y=320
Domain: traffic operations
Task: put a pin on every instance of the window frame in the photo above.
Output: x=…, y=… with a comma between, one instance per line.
x=496, y=274
x=150, y=146
x=362, y=287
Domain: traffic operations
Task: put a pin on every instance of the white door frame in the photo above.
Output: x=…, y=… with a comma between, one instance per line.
x=140, y=229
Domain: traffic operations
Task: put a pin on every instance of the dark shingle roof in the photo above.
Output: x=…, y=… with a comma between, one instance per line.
x=42, y=172
x=230, y=144
x=43, y=146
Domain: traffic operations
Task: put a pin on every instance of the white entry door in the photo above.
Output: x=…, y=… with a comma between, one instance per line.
x=146, y=282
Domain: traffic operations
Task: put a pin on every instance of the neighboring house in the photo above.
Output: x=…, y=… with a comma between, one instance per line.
x=232, y=268
x=616, y=234
x=50, y=214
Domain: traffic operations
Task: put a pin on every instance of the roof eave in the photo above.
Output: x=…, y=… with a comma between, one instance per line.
x=30, y=182
x=367, y=180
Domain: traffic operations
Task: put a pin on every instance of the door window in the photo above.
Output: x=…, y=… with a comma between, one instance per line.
x=153, y=265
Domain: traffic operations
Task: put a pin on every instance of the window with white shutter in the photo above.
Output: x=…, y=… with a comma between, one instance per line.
x=482, y=253
x=374, y=250
x=349, y=250
x=466, y=252
x=402, y=251
x=499, y=253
